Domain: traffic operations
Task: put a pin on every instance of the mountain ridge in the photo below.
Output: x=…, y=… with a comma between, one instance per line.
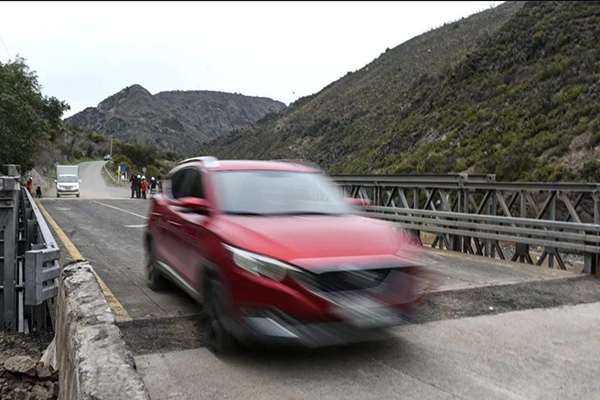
x=512, y=90
x=177, y=120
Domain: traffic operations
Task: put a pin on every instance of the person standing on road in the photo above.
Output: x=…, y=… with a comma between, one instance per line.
x=152, y=185
x=132, y=180
x=135, y=186
x=138, y=187
x=144, y=187
x=30, y=185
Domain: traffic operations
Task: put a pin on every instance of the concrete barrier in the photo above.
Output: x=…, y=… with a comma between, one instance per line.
x=92, y=358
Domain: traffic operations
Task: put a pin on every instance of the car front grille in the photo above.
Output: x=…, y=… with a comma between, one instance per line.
x=339, y=281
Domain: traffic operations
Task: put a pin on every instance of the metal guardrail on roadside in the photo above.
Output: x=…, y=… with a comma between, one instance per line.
x=41, y=262
x=474, y=213
x=29, y=257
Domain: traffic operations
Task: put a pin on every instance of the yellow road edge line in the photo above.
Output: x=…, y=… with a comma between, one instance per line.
x=120, y=209
x=120, y=313
x=75, y=254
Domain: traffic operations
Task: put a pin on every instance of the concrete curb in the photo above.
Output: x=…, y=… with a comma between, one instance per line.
x=93, y=361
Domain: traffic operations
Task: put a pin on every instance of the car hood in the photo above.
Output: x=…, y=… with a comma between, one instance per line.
x=319, y=242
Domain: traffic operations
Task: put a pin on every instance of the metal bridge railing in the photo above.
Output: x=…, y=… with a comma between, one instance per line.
x=29, y=257
x=474, y=213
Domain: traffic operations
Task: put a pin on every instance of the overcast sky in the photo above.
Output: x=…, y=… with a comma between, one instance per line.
x=84, y=52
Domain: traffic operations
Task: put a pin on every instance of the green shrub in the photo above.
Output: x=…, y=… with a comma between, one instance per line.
x=591, y=171
x=98, y=138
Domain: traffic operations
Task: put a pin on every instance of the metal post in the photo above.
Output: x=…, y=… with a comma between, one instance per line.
x=417, y=233
x=493, y=211
x=456, y=239
x=591, y=261
x=487, y=247
x=522, y=249
x=416, y=198
x=466, y=239
x=378, y=200
x=552, y=250
x=9, y=206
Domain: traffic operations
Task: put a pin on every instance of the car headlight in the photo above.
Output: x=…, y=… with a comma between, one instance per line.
x=260, y=265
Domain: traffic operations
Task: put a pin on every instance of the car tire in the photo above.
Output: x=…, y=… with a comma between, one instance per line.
x=77, y=195
x=154, y=279
x=57, y=195
x=218, y=339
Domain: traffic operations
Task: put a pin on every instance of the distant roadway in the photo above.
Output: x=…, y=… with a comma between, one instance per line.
x=493, y=330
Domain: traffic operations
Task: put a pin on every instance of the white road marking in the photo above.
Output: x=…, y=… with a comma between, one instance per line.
x=63, y=209
x=120, y=209
x=135, y=226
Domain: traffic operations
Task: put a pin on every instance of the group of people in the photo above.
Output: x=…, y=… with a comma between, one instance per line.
x=38, y=191
x=140, y=186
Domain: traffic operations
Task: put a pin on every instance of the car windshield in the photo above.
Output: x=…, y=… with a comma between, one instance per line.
x=67, y=178
x=272, y=193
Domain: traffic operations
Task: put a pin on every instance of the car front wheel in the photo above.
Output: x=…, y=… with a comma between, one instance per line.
x=218, y=339
x=154, y=279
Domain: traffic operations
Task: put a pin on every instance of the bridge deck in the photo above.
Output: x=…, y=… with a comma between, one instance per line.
x=455, y=271
x=493, y=354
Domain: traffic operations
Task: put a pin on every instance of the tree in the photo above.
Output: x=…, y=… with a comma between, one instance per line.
x=25, y=114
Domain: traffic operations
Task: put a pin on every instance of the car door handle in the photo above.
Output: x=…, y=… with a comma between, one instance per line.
x=177, y=224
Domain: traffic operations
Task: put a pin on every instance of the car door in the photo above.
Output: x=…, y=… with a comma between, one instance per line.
x=168, y=222
x=189, y=230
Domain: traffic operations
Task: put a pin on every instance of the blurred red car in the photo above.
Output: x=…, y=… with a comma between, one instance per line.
x=275, y=253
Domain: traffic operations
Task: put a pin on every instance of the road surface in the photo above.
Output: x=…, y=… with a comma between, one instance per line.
x=532, y=354
x=491, y=329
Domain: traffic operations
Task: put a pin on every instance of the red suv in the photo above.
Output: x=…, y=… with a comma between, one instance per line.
x=275, y=253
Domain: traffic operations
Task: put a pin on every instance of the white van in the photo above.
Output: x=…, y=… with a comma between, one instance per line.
x=67, y=180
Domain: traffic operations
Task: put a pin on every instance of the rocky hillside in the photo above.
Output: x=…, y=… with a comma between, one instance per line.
x=179, y=121
x=513, y=90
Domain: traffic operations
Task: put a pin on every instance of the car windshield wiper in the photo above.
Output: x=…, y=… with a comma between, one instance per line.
x=304, y=213
x=245, y=213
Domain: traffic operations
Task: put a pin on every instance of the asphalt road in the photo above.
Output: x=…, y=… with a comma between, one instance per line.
x=532, y=354
x=107, y=226
x=471, y=341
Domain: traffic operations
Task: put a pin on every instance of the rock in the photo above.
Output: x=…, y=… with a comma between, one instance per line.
x=29, y=380
x=40, y=393
x=55, y=389
x=49, y=356
x=20, y=394
x=44, y=372
x=21, y=365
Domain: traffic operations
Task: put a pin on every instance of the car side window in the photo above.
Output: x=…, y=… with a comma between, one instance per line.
x=195, y=184
x=187, y=183
x=177, y=181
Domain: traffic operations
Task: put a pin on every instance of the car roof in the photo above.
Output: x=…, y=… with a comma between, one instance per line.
x=252, y=165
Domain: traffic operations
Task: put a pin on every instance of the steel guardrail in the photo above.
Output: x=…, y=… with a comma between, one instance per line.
x=515, y=230
x=472, y=213
x=41, y=264
x=473, y=182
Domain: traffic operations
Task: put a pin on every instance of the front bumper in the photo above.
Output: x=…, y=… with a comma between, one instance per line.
x=67, y=191
x=328, y=312
x=278, y=328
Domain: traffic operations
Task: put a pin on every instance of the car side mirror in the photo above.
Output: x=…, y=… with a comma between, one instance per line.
x=55, y=181
x=194, y=204
x=359, y=202
x=80, y=181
